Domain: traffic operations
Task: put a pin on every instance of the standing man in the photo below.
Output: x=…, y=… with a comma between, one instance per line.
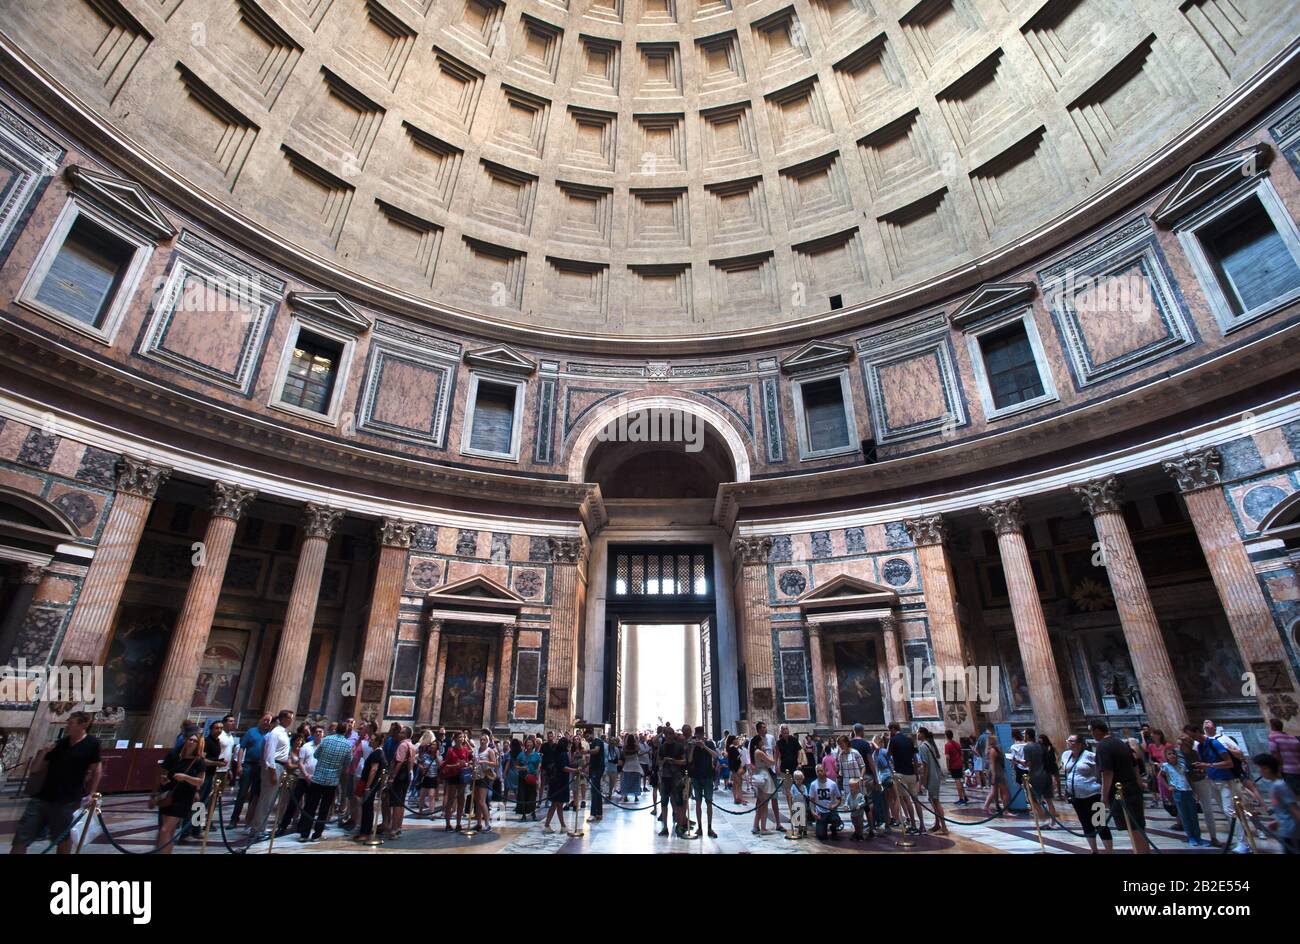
x=672, y=778
x=981, y=752
x=1223, y=770
x=595, y=772
x=248, y=767
x=275, y=754
x=787, y=756
x=1117, y=766
x=902, y=757
x=702, y=762
x=72, y=770
x=333, y=756
x=952, y=757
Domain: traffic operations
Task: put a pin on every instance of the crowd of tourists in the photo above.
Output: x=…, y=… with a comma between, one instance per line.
x=295, y=779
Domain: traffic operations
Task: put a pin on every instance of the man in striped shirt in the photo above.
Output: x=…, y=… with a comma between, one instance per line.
x=332, y=758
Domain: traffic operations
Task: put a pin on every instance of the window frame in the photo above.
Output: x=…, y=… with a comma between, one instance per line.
x=1189, y=229
x=471, y=408
x=106, y=331
x=990, y=326
x=806, y=452
x=348, y=344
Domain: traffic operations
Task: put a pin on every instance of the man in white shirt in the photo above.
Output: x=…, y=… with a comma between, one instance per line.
x=275, y=756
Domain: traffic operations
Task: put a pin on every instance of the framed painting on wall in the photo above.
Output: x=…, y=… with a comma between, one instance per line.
x=220, y=670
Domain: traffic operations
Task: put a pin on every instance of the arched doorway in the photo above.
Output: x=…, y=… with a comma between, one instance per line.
x=659, y=462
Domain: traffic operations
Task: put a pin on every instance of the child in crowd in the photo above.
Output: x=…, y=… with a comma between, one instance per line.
x=856, y=805
x=1286, y=809
x=799, y=805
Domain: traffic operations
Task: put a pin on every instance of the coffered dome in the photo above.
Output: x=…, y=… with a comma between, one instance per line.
x=653, y=167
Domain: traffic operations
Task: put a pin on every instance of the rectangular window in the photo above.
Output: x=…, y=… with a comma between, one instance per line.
x=311, y=374
x=1010, y=366
x=824, y=416
x=86, y=273
x=493, y=423
x=1252, y=263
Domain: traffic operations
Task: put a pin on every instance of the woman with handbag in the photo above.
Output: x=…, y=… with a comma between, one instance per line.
x=455, y=772
x=181, y=778
x=764, y=783
x=485, y=775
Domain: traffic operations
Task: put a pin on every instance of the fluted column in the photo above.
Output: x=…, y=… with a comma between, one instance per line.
x=175, y=691
x=569, y=556
x=86, y=637
x=691, y=657
x=893, y=669
x=1199, y=477
x=1008, y=520
x=101, y=592
x=749, y=565
x=395, y=538
x=820, y=703
x=929, y=533
x=631, y=678
x=285, y=686
x=1161, y=700
x=429, y=678
x=507, y=676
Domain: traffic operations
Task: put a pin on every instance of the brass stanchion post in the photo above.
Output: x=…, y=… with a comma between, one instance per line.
x=278, y=808
x=218, y=785
x=1239, y=810
x=90, y=816
x=375, y=839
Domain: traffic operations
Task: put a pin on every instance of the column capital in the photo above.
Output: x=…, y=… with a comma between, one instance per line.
x=507, y=630
x=1007, y=517
x=1099, y=496
x=1194, y=471
x=435, y=625
x=814, y=630
x=319, y=521
x=394, y=532
x=140, y=478
x=31, y=574
x=230, y=501
x=889, y=623
x=751, y=550
x=568, y=550
x=927, y=529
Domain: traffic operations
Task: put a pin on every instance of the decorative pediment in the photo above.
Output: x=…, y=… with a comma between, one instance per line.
x=1206, y=179
x=476, y=593
x=814, y=355
x=123, y=198
x=843, y=592
x=991, y=298
x=501, y=358
x=331, y=308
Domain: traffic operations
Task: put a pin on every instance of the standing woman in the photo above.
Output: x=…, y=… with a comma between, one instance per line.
x=485, y=775
x=557, y=784
x=735, y=769
x=1052, y=767
x=1083, y=790
x=997, y=775
x=426, y=763
x=889, y=789
x=1161, y=792
x=454, y=764
x=631, y=786
x=526, y=765
x=933, y=778
x=764, y=784
x=181, y=779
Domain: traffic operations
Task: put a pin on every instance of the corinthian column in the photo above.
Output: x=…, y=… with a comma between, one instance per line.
x=893, y=669
x=86, y=637
x=175, y=692
x=285, y=686
x=569, y=579
x=507, y=676
x=429, y=678
x=929, y=533
x=1008, y=520
x=749, y=565
x=1146, y=644
x=1199, y=477
x=820, y=703
x=395, y=538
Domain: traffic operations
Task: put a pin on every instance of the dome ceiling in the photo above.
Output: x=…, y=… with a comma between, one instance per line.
x=647, y=167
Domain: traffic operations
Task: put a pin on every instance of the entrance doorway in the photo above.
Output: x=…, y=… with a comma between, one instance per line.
x=660, y=648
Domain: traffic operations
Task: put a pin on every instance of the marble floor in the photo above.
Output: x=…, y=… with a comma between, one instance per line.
x=623, y=831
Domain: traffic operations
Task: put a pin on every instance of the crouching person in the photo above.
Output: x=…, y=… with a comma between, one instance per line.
x=826, y=801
